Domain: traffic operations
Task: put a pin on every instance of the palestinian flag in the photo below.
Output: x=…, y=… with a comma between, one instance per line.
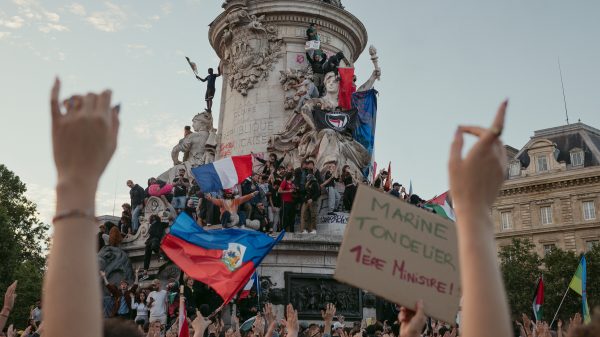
x=538, y=300
x=442, y=205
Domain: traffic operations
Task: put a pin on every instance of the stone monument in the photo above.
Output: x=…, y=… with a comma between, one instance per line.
x=261, y=44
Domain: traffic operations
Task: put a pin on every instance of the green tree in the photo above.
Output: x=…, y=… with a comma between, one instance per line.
x=560, y=266
x=520, y=267
x=593, y=277
x=24, y=237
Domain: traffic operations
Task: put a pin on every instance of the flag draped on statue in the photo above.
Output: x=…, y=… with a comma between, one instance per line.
x=578, y=285
x=365, y=102
x=223, y=259
x=224, y=173
x=441, y=205
x=346, y=88
x=336, y=120
x=538, y=300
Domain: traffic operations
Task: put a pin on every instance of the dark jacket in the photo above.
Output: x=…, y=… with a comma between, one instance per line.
x=137, y=195
x=156, y=231
x=317, y=66
x=116, y=294
x=312, y=191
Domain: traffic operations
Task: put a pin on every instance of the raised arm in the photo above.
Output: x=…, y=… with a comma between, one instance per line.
x=474, y=184
x=9, y=302
x=327, y=315
x=84, y=140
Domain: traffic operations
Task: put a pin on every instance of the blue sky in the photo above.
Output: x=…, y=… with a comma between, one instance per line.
x=444, y=63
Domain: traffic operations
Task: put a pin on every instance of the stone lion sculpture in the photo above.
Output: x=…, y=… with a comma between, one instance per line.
x=115, y=263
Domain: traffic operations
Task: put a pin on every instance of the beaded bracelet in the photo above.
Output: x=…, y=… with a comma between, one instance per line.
x=74, y=213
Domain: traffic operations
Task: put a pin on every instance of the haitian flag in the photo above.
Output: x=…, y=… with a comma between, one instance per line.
x=224, y=259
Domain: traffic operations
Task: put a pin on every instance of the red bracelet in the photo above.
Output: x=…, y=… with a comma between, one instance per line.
x=74, y=213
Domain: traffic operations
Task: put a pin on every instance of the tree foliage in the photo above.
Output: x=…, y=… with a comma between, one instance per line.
x=24, y=238
x=520, y=267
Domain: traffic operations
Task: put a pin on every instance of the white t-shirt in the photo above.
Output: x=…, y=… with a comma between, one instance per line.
x=159, y=306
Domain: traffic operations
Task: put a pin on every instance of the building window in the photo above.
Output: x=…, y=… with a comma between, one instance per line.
x=548, y=248
x=590, y=244
x=506, y=220
x=542, y=163
x=514, y=169
x=577, y=158
x=589, y=210
x=546, y=215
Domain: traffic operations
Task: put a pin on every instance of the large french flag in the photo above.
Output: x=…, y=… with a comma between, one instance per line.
x=223, y=173
x=223, y=259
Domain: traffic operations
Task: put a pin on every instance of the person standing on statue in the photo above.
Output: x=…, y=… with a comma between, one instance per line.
x=211, y=78
x=309, y=89
x=317, y=62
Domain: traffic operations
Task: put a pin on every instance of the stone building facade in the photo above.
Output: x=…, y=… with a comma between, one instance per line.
x=552, y=192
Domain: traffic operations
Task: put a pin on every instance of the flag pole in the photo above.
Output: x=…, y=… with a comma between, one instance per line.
x=560, y=305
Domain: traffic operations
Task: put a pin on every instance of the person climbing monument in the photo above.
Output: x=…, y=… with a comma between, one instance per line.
x=210, y=86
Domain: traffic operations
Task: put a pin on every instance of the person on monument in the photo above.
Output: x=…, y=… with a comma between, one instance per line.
x=260, y=219
x=309, y=210
x=272, y=164
x=248, y=186
x=288, y=212
x=152, y=244
x=275, y=180
x=380, y=179
x=349, y=188
x=329, y=185
x=317, y=62
x=122, y=303
x=332, y=63
x=136, y=196
x=311, y=32
x=229, y=206
x=181, y=184
x=211, y=78
x=309, y=89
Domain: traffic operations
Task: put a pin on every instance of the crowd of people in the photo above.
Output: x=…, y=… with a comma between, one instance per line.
x=84, y=136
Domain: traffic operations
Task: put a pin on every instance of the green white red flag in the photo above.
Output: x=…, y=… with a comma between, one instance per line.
x=442, y=205
x=538, y=300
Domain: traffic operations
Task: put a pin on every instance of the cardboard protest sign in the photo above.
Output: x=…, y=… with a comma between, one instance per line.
x=401, y=253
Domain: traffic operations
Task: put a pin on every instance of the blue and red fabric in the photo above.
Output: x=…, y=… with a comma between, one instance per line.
x=223, y=259
x=224, y=173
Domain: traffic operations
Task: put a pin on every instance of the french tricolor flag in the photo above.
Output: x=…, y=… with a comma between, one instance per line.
x=248, y=287
x=224, y=173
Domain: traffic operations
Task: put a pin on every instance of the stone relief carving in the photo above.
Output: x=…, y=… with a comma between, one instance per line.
x=309, y=292
x=249, y=47
x=268, y=292
x=288, y=80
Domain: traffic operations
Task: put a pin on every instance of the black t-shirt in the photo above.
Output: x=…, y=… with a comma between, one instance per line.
x=274, y=195
x=211, y=79
x=332, y=182
x=180, y=190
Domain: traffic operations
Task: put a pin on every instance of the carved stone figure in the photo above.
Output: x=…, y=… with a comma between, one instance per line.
x=249, y=47
x=198, y=147
x=301, y=138
x=289, y=80
x=115, y=263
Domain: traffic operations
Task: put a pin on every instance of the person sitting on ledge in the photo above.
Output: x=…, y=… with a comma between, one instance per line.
x=229, y=206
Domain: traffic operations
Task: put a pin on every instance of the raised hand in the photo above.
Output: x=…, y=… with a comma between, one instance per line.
x=268, y=312
x=200, y=323
x=411, y=323
x=84, y=137
x=291, y=321
x=11, y=332
x=9, y=298
x=329, y=312
x=476, y=178
x=271, y=329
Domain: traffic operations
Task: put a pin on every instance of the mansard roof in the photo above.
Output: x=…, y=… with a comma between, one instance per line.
x=566, y=138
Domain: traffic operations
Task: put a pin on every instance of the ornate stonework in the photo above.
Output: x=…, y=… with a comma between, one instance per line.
x=288, y=80
x=250, y=48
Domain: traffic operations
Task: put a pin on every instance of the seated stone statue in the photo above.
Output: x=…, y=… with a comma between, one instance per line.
x=303, y=140
x=196, y=144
